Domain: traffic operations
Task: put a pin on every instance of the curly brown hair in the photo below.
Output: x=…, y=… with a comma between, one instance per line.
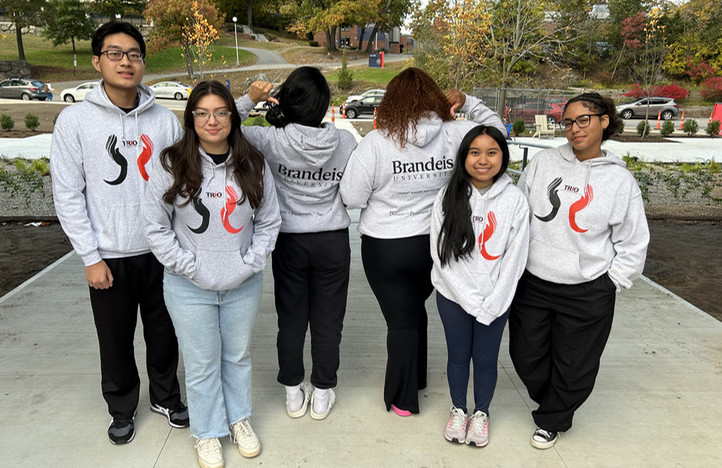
x=411, y=96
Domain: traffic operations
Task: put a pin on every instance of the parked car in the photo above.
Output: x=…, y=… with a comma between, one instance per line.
x=364, y=105
x=370, y=92
x=553, y=108
x=23, y=88
x=663, y=106
x=171, y=90
x=78, y=93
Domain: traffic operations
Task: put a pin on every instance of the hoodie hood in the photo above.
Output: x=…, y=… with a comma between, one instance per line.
x=99, y=97
x=427, y=129
x=314, y=146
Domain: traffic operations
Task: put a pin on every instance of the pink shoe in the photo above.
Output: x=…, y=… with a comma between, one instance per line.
x=401, y=412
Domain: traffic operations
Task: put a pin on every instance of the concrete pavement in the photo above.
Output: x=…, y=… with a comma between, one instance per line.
x=656, y=403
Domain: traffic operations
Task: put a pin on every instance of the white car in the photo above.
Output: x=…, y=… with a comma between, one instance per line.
x=171, y=90
x=78, y=93
x=370, y=92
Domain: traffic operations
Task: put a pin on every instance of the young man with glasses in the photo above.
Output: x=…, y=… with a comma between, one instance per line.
x=100, y=160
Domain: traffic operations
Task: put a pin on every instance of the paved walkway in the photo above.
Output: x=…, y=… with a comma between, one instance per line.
x=656, y=404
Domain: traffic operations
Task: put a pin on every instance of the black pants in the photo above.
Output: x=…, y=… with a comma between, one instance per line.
x=557, y=334
x=137, y=281
x=399, y=273
x=310, y=277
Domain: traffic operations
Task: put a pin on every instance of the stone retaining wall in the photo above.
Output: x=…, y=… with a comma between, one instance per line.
x=14, y=69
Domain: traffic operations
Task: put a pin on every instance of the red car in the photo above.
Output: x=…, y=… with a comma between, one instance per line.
x=553, y=108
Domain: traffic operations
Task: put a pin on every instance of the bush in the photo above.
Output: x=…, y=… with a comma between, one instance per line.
x=518, y=127
x=713, y=128
x=345, y=76
x=674, y=91
x=313, y=43
x=6, y=122
x=643, y=128
x=667, y=128
x=690, y=127
x=31, y=121
x=712, y=89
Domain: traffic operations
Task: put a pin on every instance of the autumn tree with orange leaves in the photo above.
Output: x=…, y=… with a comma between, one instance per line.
x=199, y=34
x=172, y=22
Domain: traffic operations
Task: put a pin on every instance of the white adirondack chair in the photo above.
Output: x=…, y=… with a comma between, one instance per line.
x=543, y=129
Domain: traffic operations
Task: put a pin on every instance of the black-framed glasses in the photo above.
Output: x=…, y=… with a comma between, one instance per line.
x=117, y=55
x=222, y=116
x=582, y=121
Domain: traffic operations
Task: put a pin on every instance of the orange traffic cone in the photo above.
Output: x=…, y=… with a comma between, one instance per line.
x=374, y=118
x=681, y=123
x=710, y=117
x=333, y=115
x=659, y=118
x=343, y=115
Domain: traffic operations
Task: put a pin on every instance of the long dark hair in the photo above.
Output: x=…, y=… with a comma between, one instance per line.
x=410, y=96
x=599, y=104
x=303, y=99
x=183, y=158
x=456, y=237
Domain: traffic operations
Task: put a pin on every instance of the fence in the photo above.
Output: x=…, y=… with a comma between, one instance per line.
x=522, y=103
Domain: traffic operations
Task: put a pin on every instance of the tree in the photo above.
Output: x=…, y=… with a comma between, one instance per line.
x=694, y=40
x=67, y=21
x=645, y=42
x=24, y=13
x=169, y=17
x=111, y=8
x=199, y=34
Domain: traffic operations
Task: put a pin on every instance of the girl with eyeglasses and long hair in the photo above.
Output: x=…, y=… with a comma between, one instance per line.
x=588, y=240
x=212, y=219
x=479, y=242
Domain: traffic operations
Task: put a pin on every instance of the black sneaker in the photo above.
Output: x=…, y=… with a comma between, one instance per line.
x=121, y=431
x=543, y=439
x=177, y=416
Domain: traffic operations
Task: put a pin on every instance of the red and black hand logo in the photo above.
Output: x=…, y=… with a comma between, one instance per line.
x=145, y=155
x=578, y=206
x=486, y=235
x=203, y=211
x=552, y=190
x=226, y=211
x=112, y=147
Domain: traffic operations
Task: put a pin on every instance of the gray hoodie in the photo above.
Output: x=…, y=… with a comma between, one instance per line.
x=307, y=164
x=395, y=187
x=483, y=283
x=100, y=162
x=587, y=218
x=214, y=242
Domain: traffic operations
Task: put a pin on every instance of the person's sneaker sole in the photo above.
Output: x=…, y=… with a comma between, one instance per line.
x=250, y=454
x=157, y=409
x=120, y=441
x=454, y=439
x=470, y=443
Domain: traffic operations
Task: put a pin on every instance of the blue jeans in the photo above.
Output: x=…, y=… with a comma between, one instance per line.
x=214, y=333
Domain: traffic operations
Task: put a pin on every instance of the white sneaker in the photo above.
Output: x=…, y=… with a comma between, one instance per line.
x=323, y=414
x=242, y=434
x=543, y=439
x=456, y=427
x=210, y=453
x=306, y=390
x=478, y=430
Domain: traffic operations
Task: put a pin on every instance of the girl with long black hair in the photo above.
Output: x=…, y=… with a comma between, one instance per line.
x=479, y=243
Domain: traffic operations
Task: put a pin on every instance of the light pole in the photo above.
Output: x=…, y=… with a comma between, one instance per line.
x=235, y=33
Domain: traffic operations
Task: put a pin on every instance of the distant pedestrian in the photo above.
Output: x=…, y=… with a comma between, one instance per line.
x=588, y=239
x=48, y=92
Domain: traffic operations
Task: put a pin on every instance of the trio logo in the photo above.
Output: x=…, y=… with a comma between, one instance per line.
x=486, y=235
x=111, y=146
x=576, y=207
x=202, y=210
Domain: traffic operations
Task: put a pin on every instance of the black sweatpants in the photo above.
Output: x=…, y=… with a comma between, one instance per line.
x=310, y=278
x=137, y=281
x=399, y=273
x=557, y=333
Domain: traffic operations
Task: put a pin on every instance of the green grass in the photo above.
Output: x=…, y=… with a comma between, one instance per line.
x=372, y=76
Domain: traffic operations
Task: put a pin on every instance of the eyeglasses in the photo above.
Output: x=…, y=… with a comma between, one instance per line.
x=117, y=55
x=582, y=121
x=222, y=116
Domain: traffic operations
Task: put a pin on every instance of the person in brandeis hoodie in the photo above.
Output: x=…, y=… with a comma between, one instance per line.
x=479, y=243
x=393, y=177
x=212, y=219
x=312, y=258
x=100, y=165
x=588, y=239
